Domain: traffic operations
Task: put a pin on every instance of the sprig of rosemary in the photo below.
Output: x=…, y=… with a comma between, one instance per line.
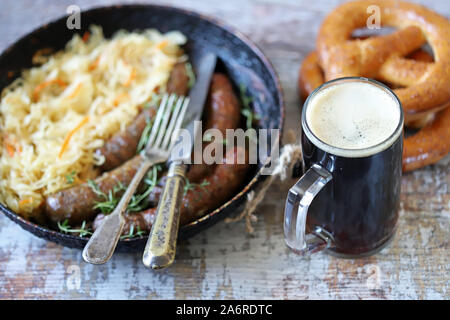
x=110, y=199
x=136, y=203
x=247, y=111
x=190, y=186
x=82, y=231
x=95, y=188
x=131, y=234
x=145, y=135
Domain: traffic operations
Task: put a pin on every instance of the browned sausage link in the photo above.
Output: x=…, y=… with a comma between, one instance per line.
x=77, y=203
x=222, y=111
x=179, y=80
x=221, y=185
x=122, y=145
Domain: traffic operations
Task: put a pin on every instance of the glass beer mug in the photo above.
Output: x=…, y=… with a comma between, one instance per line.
x=348, y=199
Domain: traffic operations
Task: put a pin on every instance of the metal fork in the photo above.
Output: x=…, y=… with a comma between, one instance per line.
x=102, y=243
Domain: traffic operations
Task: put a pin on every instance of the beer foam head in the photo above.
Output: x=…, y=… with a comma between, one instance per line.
x=353, y=115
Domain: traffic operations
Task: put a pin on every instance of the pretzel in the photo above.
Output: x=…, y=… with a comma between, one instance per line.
x=416, y=72
x=427, y=146
x=312, y=75
x=430, y=144
x=340, y=57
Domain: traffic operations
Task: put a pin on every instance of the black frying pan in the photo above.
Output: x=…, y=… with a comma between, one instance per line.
x=239, y=58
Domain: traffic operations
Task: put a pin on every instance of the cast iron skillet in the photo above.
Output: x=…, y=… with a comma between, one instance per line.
x=239, y=58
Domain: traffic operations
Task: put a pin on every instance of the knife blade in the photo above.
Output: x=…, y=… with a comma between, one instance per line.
x=184, y=144
x=161, y=245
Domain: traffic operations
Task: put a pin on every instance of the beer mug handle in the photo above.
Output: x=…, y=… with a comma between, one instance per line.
x=301, y=196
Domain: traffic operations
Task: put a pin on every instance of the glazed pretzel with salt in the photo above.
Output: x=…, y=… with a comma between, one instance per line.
x=422, y=85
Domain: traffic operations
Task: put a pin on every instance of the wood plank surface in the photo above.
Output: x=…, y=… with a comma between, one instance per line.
x=225, y=261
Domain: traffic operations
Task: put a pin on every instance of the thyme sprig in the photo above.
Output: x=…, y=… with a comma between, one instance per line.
x=136, y=203
x=66, y=228
x=132, y=234
x=110, y=199
x=247, y=111
x=190, y=185
x=145, y=135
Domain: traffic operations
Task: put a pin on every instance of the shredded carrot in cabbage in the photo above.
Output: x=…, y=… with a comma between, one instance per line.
x=75, y=91
x=25, y=201
x=10, y=149
x=86, y=36
x=43, y=85
x=94, y=65
x=120, y=98
x=11, y=145
x=130, y=78
x=70, y=134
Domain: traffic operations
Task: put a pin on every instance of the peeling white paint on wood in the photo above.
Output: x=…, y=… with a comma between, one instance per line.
x=225, y=261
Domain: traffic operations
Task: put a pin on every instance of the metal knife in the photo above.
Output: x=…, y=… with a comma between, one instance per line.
x=161, y=245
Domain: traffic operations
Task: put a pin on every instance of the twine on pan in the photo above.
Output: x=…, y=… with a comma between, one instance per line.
x=290, y=155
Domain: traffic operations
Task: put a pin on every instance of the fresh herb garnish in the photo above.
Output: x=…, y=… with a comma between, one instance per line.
x=108, y=205
x=95, y=188
x=82, y=231
x=70, y=178
x=204, y=183
x=190, y=186
x=145, y=135
x=246, y=108
x=110, y=199
x=136, y=203
x=131, y=234
x=191, y=75
x=152, y=175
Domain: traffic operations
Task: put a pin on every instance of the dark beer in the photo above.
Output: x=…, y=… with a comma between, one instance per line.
x=360, y=204
x=352, y=128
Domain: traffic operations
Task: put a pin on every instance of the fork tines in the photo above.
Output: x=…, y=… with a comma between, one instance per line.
x=171, y=108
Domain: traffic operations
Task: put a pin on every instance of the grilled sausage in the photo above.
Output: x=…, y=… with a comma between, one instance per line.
x=122, y=145
x=222, y=111
x=179, y=80
x=76, y=203
x=220, y=186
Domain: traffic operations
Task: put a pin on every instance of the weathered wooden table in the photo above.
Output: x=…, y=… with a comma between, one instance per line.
x=225, y=261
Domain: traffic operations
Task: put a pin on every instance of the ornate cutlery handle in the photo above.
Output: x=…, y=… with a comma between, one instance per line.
x=161, y=246
x=103, y=242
